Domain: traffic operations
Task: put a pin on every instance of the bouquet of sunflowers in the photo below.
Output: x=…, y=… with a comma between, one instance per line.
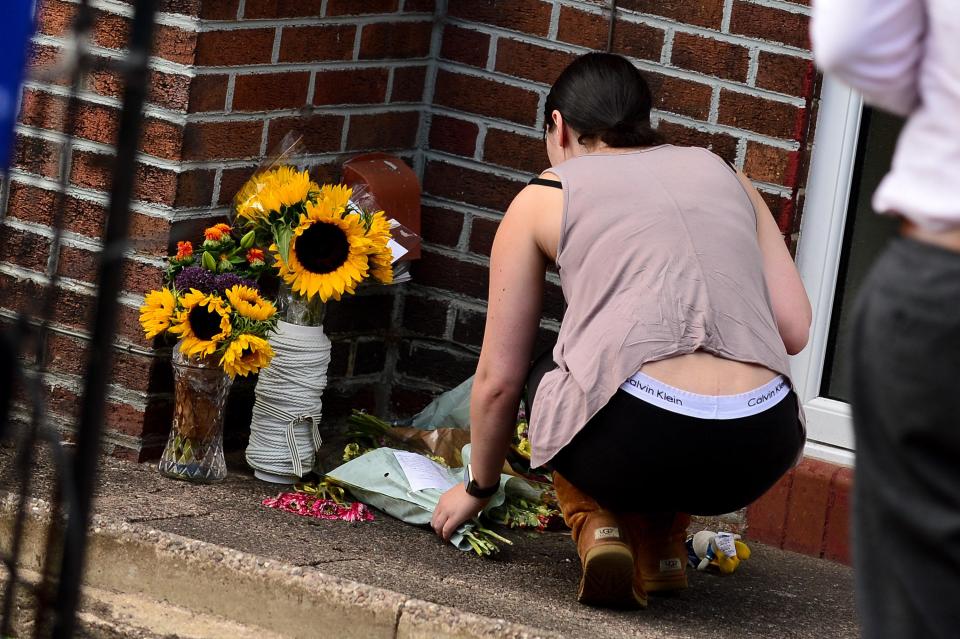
x=322, y=243
x=212, y=303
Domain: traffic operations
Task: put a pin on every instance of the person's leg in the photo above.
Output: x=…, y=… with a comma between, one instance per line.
x=906, y=508
x=606, y=560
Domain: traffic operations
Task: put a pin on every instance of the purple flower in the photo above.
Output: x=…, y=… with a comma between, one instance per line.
x=195, y=277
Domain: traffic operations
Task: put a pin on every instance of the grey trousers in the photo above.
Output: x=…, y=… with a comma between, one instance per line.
x=906, y=413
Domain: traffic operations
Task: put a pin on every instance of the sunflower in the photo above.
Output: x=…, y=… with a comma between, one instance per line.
x=203, y=324
x=246, y=354
x=328, y=253
x=157, y=312
x=273, y=190
x=381, y=256
x=249, y=304
x=336, y=196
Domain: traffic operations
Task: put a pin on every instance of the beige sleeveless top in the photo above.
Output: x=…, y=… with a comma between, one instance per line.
x=658, y=257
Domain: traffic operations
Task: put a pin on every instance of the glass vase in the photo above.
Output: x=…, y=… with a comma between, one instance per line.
x=294, y=309
x=194, y=449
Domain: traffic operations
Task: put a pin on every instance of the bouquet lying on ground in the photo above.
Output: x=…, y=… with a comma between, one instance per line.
x=211, y=302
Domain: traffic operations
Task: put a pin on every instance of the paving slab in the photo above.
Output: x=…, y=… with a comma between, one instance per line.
x=774, y=594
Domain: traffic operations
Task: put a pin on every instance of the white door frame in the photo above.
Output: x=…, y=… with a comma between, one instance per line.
x=829, y=428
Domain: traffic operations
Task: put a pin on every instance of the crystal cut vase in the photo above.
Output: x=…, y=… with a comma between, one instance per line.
x=194, y=449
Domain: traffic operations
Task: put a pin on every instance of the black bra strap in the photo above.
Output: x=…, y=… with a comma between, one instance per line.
x=543, y=182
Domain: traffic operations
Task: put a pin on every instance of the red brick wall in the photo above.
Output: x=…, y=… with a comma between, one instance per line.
x=731, y=75
x=229, y=79
x=455, y=88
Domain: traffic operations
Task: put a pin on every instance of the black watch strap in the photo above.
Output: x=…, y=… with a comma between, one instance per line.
x=475, y=490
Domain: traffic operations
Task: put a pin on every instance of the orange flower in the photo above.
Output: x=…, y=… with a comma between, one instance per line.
x=255, y=255
x=184, y=250
x=216, y=232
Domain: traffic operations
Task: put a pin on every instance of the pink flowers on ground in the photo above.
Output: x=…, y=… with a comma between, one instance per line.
x=309, y=506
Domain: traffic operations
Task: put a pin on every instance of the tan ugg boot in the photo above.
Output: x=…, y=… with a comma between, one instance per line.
x=658, y=544
x=605, y=555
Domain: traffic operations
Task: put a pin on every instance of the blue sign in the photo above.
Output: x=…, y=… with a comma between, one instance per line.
x=16, y=27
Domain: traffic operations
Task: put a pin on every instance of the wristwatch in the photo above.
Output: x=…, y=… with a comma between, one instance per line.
x=473, y=489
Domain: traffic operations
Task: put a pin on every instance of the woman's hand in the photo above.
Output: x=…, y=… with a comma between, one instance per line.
x=454, y=508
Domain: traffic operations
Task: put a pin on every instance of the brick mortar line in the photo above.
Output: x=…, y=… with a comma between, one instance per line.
x=277, y=36
x=674, y=118
x=166, y=18
x=150, y=110
x=76, y=240
x=429, y=89
x=207, y=26
x=215, y=191
x=727, y=16
x=554, y=29
x=90, y=195
x=772, y=189
x=460, y=207
x=192, y=71
x=662, y=22
x=789, y=7
x=266, y=68
x=780, y=143
x=463, y=242
x=177, y=167
x=66, y=283
x=492, y=53
x=467, y=163
x=753, y=67
x=66, y=425
x=155, y=63
x=228, y=98
x=666, y=53
x=643, y=65
x=462, y=256
x=90, y=146
x=481, y=141
x=387, y=94
x=654, y=21
x=200, y=25
x=713, y=114
x=115, y=392
x=333, y=110
x=502, y=125
x=119, y=343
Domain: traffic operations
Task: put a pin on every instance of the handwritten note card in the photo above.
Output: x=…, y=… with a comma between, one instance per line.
x=423, y=473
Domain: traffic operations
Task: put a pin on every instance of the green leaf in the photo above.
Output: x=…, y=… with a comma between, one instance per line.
x=282, y=236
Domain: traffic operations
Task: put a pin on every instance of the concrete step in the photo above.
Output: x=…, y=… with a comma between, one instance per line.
x=216, y=551
x=107, y=614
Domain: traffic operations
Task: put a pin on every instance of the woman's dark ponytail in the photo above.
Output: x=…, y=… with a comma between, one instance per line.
x=604, y=97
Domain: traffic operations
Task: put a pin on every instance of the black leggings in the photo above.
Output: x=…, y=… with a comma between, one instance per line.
x=633, y=456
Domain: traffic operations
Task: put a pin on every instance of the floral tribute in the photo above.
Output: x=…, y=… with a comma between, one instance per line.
x=322, y=244
x=211, y=302
x=320, y=501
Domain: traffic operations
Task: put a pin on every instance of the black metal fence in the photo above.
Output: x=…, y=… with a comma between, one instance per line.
x=23, y=355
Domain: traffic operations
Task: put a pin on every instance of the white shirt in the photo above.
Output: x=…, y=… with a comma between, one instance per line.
x=904, y=56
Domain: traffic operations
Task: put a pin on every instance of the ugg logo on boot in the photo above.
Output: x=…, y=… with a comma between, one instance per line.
x=669, y=565
x=607, y=533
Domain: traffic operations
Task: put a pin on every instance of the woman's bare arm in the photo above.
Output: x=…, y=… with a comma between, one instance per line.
x=791, y=306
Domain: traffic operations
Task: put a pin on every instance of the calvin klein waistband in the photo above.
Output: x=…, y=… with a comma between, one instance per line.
x=707, y=406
